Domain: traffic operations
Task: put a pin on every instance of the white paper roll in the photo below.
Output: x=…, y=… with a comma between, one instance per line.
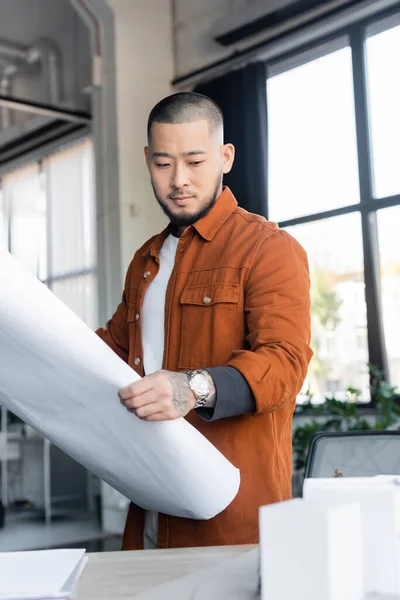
x=59, y=377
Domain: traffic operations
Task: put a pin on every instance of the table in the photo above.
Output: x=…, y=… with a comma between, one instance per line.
x=123, y=575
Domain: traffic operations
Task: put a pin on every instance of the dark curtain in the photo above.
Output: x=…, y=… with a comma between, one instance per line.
x=242, y=96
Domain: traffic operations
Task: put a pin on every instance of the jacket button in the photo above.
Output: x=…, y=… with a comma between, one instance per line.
x=207, y=300
x=146, y=274
x=137, y=361
x=137, y=316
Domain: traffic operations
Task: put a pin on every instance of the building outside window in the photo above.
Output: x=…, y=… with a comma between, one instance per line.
x=334, y=184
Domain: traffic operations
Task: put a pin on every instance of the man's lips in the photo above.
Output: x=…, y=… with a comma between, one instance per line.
x=180, y=199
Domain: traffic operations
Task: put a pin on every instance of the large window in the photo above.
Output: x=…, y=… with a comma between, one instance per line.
x=339, y=320
x=383, y=62
x=334, y=184
x=312, y=134
x=47, y=221
x=389, y=254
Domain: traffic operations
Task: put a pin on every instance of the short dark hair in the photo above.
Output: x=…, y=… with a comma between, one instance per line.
x=185, y=107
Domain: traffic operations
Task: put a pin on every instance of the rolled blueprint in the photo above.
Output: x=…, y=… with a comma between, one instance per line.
x=59, y=377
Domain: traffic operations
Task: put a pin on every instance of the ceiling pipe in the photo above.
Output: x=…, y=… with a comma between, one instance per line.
x=6, y=116
x=43, y=51
x=48, y=54
x=13, y=50
x=5, y=112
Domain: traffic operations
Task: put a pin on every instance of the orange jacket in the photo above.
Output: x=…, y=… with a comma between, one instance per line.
x=258, y=321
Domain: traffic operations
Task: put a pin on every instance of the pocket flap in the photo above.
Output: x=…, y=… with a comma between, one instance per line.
x=207, y=295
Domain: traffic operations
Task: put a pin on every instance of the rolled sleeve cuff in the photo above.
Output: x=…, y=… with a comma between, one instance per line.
x=233, y=395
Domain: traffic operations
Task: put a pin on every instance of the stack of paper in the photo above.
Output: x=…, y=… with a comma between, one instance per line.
x=40, y=575
x=60, y=378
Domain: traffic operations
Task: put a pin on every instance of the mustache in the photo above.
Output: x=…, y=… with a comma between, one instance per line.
x=179, y=193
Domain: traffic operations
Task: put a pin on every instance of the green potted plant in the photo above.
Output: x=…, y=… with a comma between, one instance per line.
x=348, y=415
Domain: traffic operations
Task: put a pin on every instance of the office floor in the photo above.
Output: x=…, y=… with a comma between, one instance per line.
x=23, y=533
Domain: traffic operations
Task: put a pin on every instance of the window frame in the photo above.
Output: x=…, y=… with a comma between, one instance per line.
x=37, y=157
x=357, y=35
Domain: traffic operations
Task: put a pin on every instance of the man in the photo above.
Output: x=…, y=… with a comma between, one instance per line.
x=215, y=317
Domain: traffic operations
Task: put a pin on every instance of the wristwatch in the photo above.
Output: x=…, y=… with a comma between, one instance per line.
x=200, y=385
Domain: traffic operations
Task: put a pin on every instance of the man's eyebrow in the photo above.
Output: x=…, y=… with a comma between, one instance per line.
x=194, y=152
x=162, y=154
x=167, y=155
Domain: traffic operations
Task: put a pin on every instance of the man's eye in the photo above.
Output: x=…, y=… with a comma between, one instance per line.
x=196, y=163
x=162, y=165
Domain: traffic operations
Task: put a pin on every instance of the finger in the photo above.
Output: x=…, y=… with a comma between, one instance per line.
x=135, y=402
x=128, y=392
x=160, y=416
x=134, y=389
x=144, y=412
x=142, y=386
x=134, y=412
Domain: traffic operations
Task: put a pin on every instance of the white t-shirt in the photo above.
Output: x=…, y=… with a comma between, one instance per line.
x=153, y=317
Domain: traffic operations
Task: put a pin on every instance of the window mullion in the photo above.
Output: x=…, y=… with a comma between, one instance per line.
x=357, y=42
x=376, y=341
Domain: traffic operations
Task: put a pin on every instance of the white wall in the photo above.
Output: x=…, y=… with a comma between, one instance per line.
x=144, y=70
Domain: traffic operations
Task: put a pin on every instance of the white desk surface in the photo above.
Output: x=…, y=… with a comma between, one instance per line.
x=123, y=575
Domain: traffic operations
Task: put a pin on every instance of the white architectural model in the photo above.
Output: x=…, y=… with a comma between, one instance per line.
x=379, y=499
x=310, y=551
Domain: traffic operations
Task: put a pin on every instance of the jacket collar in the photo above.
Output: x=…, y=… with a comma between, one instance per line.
x=207, y=227
x=154, y=245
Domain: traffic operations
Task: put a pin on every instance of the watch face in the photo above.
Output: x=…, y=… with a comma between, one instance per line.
x=201, y=384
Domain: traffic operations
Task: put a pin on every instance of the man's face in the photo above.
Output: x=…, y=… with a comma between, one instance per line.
x=186, y=162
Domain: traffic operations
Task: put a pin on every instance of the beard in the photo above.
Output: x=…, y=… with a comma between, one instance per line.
x=184, y=219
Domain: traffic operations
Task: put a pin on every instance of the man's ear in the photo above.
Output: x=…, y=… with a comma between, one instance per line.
x=146, y=155
x=228, y=156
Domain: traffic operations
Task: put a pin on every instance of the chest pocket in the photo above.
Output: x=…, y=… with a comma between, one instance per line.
x=209, y=314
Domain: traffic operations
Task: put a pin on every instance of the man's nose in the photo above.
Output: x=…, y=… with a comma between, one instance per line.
x=180, y=177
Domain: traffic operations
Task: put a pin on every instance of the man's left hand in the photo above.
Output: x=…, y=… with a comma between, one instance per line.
x=162, y=396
